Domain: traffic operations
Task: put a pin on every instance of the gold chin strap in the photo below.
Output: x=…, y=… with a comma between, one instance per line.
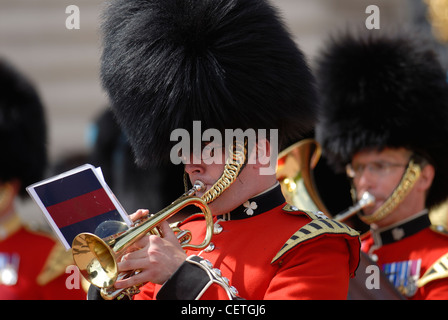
x=234, y=163
x=406, y=184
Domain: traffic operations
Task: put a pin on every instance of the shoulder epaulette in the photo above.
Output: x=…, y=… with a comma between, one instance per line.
x=291, y=209
x=56, y=264
x=318, y=226
x=438, y=270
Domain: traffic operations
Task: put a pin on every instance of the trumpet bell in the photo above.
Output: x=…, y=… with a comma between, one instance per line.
x=95, y=260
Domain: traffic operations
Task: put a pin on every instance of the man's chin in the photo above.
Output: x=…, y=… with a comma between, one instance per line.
x=371, y=210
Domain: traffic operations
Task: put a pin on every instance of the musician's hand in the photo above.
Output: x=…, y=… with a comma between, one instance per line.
x=158, y=258
x=140, y=213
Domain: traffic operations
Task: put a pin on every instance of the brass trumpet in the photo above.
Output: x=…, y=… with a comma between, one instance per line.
x=97, y=258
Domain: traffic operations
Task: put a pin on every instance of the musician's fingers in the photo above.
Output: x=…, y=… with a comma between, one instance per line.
x=133, y=280
x=140, y=213
x=139, y=244
x=157, y=258
x=140, y=250
x=168, y=233
x=130, y=263
x=153, y=272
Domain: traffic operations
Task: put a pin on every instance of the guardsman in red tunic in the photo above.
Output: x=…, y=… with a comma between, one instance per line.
x=32, y=264
x=245, y=261
x=190, y=73
x=385, y=118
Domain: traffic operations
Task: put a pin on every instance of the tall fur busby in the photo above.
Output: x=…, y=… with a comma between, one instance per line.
x=384, y=91
x=22, y=129
x=228, y=63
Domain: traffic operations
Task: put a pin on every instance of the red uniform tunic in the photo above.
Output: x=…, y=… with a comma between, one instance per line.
x=264, y=256
x=406, y=252
x=24, y=261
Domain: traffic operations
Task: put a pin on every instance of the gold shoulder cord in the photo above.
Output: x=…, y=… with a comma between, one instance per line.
x=234, y=163
x=405, y=186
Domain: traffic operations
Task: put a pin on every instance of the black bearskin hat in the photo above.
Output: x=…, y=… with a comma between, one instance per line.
x=22, y=129
x=228, y=63
x=384, y=91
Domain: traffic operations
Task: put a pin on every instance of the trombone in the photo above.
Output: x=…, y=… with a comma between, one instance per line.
x=294, y=173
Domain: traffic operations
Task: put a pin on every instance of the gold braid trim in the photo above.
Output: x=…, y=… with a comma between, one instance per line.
x=315, y=228
x=438, y=270
x=234, y=163
x=408, y=180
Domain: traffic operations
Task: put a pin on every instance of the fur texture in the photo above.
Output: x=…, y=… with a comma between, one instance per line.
x=22, y=129
x=228, y=63
x=384, y=91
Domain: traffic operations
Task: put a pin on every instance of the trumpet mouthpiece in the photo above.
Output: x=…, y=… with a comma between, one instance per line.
x=199, y=185
x=367, y=199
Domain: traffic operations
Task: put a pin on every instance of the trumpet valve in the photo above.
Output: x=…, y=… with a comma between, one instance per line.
x=184, y=236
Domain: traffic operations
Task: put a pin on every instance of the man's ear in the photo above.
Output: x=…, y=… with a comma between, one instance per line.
x=8, y=192
x=426, y=177
x=262, y=153
x=267, y=157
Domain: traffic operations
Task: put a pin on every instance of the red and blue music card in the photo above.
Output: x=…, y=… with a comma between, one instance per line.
x=77, y=201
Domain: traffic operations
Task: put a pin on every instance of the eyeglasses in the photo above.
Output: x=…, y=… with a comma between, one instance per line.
x=379, y=168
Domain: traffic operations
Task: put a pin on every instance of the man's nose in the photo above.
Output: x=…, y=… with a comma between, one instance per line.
x=192, y=168
x=365, y=180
